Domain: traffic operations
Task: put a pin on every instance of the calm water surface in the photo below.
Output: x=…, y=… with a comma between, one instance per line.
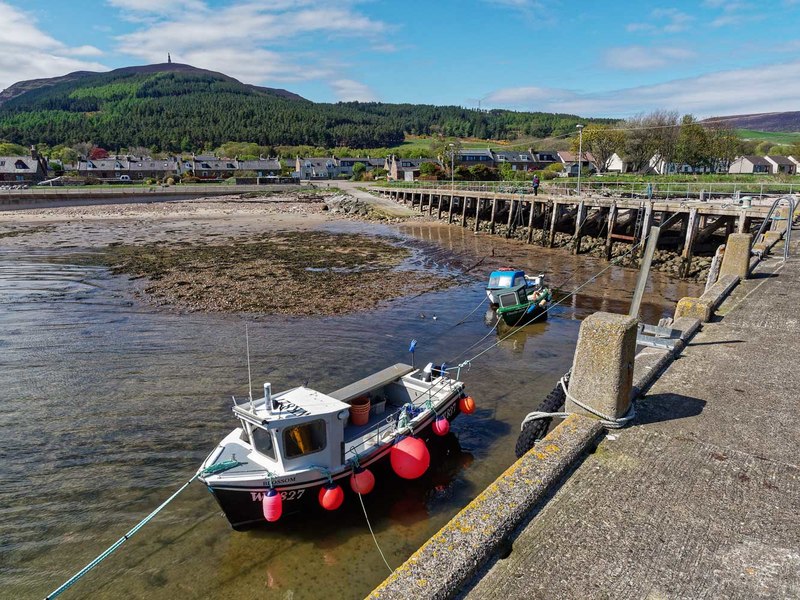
x=109, y=405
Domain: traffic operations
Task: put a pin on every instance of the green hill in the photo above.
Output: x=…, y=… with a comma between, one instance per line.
x=176, y=108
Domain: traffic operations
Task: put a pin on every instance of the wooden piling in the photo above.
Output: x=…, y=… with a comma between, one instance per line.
x=647, y=223
x=529, y=239
x=478, y=204
x=494, y=214
x=580, y=217
x=612, y=221
x=464, y=212
x=554, y=219
x=450, y=209
x=511, y=207
x=691, y=235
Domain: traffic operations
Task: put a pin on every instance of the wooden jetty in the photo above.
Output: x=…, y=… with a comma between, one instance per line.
x=615, y=218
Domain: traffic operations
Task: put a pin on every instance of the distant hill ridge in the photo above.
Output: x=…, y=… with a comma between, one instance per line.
x=23, y=87
x=786, y=122
x=180, y=108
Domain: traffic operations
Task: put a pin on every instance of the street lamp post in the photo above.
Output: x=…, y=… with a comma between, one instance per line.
x=580, y=154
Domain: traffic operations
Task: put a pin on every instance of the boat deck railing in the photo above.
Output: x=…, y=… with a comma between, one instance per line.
x=390, y=425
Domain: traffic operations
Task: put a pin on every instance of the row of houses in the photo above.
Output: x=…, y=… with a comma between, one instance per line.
x=34, y=168
x=23, y=169
x=204, y=167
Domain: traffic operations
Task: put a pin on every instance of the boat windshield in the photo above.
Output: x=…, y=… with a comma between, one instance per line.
x=262, y=441
x=501, y=281
x=306, y=438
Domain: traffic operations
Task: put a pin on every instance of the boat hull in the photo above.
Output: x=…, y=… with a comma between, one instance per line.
x=518, y=316
x=242, y=505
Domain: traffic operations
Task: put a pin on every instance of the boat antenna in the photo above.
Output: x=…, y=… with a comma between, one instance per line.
x=249, y=377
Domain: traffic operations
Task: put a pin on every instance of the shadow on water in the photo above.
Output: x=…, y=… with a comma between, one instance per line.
x=110, y=404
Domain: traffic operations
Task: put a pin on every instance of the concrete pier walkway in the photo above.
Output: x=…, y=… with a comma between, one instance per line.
x=700, y=498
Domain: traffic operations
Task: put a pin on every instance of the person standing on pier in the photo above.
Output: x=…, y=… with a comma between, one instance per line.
x=535, y=185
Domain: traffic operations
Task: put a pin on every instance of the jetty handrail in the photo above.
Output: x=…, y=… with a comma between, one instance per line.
x=792, y=202
x=639, y=189
x=393, y=421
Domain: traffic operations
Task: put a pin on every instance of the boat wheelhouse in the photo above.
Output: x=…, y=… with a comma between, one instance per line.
x=504, y=279
x=298, y=443
x=523, y=304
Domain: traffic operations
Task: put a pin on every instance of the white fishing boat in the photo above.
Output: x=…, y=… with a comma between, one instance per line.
x=301, y=449
x=503, y=279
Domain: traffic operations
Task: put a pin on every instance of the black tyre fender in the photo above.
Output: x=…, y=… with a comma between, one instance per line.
x=536, y=429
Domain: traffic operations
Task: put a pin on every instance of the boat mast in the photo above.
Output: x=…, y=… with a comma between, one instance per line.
x=249, y=377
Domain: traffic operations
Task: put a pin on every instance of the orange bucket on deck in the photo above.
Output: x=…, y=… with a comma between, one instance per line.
x=359, y=410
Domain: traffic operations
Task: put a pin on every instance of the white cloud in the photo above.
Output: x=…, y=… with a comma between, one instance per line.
x=766, y=88
x=640, y=58
x=667, y=20
x=156, y=6
x=26, y=52
x=347, y=90
x=83, y=51
x=246, y=40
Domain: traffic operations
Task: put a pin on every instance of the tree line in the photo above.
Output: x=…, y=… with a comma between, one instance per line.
x=666, y=136
x=186, y=111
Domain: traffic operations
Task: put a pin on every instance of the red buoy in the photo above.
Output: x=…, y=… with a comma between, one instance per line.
x=362, y=481
x=466, y=405
x=441, y=426
x=410, y=457
x=331, y=496
x=272, y=505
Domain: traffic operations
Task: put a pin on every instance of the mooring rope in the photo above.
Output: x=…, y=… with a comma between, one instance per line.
x=613, y=263
x=218, y=468
x=374, y=539
x=607, y=420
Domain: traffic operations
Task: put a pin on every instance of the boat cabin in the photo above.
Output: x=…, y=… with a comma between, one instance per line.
x=304, y=429
x=505, y=279
x=295, y=429
x=513, y=296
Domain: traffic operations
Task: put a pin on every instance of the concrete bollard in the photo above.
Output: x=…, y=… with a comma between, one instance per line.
x=736, y=260
x=694, y=308
x=602, y=370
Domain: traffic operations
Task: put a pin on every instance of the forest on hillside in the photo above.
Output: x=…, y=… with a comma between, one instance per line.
x=193, y=111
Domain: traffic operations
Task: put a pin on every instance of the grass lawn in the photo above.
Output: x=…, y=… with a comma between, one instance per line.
x=775, y=137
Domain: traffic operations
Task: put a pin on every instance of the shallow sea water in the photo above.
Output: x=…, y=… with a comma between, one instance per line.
x=109, y=405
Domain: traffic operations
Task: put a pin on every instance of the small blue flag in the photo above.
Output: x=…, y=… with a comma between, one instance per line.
x=413, y=346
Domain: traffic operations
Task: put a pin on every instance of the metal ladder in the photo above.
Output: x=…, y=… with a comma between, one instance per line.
x=637, y=228
x=546, y=223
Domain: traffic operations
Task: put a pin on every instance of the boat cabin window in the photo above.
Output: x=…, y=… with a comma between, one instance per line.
x=304, y=439
x=501, y=281
x=262, y=441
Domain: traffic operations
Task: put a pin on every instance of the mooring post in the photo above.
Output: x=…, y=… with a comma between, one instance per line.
x=580, y=217
x=531, y=215
x=736, y=260
x=602, y=370
x=691, y=236
x=552, y=236
x=743, y=223
x=464, y=212
x=494, y=213
x=612, y=221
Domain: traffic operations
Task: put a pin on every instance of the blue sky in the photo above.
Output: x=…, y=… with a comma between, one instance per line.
x=706, y=57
